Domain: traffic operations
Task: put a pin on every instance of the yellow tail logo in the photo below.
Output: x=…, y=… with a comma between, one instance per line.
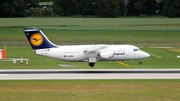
x=36, y=39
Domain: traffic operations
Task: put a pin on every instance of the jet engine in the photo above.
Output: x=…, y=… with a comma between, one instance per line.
x=105, y=54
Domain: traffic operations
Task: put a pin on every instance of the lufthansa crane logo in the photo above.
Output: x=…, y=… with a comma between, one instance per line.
x=36, y=39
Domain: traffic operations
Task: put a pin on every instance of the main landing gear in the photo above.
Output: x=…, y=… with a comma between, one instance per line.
x=91, y=64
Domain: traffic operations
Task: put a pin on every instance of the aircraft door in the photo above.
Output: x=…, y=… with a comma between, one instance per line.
x=60, y=54
x=127, y=52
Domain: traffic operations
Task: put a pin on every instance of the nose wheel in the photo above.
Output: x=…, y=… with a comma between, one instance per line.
x=140, y=62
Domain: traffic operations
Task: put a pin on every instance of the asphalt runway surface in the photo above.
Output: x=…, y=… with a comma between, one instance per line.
x=60, y=74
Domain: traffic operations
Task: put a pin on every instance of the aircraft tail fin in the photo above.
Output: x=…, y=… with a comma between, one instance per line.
x=37, y=39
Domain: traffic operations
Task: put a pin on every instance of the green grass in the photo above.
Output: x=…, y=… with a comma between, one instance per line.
x=160, y=58
x=90, y=90
x=16, y=37
x=138, y=31
x=95, y=23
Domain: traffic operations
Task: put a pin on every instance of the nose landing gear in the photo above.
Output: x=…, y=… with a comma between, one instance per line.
x=140, y=62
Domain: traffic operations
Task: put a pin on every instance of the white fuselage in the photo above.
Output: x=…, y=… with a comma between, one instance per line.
x=109, y=52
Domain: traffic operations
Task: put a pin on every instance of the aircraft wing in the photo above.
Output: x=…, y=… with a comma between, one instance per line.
x=94, y=48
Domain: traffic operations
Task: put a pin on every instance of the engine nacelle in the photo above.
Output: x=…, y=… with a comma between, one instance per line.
x=105, y=54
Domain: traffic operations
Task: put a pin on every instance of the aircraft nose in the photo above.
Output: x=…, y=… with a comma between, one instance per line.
x=146, y=55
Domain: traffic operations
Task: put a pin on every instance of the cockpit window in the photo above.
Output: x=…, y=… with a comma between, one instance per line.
x=135, y=50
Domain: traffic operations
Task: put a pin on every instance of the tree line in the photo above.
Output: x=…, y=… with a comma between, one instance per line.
x=87, y=8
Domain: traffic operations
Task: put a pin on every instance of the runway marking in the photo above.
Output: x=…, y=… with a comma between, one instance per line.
x=89, y=74
x=86, y=71
x=3, y=74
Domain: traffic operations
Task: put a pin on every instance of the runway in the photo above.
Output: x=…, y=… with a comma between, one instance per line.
x=63, y=74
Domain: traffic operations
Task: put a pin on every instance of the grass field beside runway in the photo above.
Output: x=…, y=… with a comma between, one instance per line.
x=90, y=90
x=150, y=32
x=16, y=37
x=94, y=23
x=160, y=58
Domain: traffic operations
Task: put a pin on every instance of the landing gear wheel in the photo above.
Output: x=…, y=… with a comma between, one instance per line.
x=140, y=62
x=91, y=64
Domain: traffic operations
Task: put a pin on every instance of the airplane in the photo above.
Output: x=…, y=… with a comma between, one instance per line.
x=89, y=53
